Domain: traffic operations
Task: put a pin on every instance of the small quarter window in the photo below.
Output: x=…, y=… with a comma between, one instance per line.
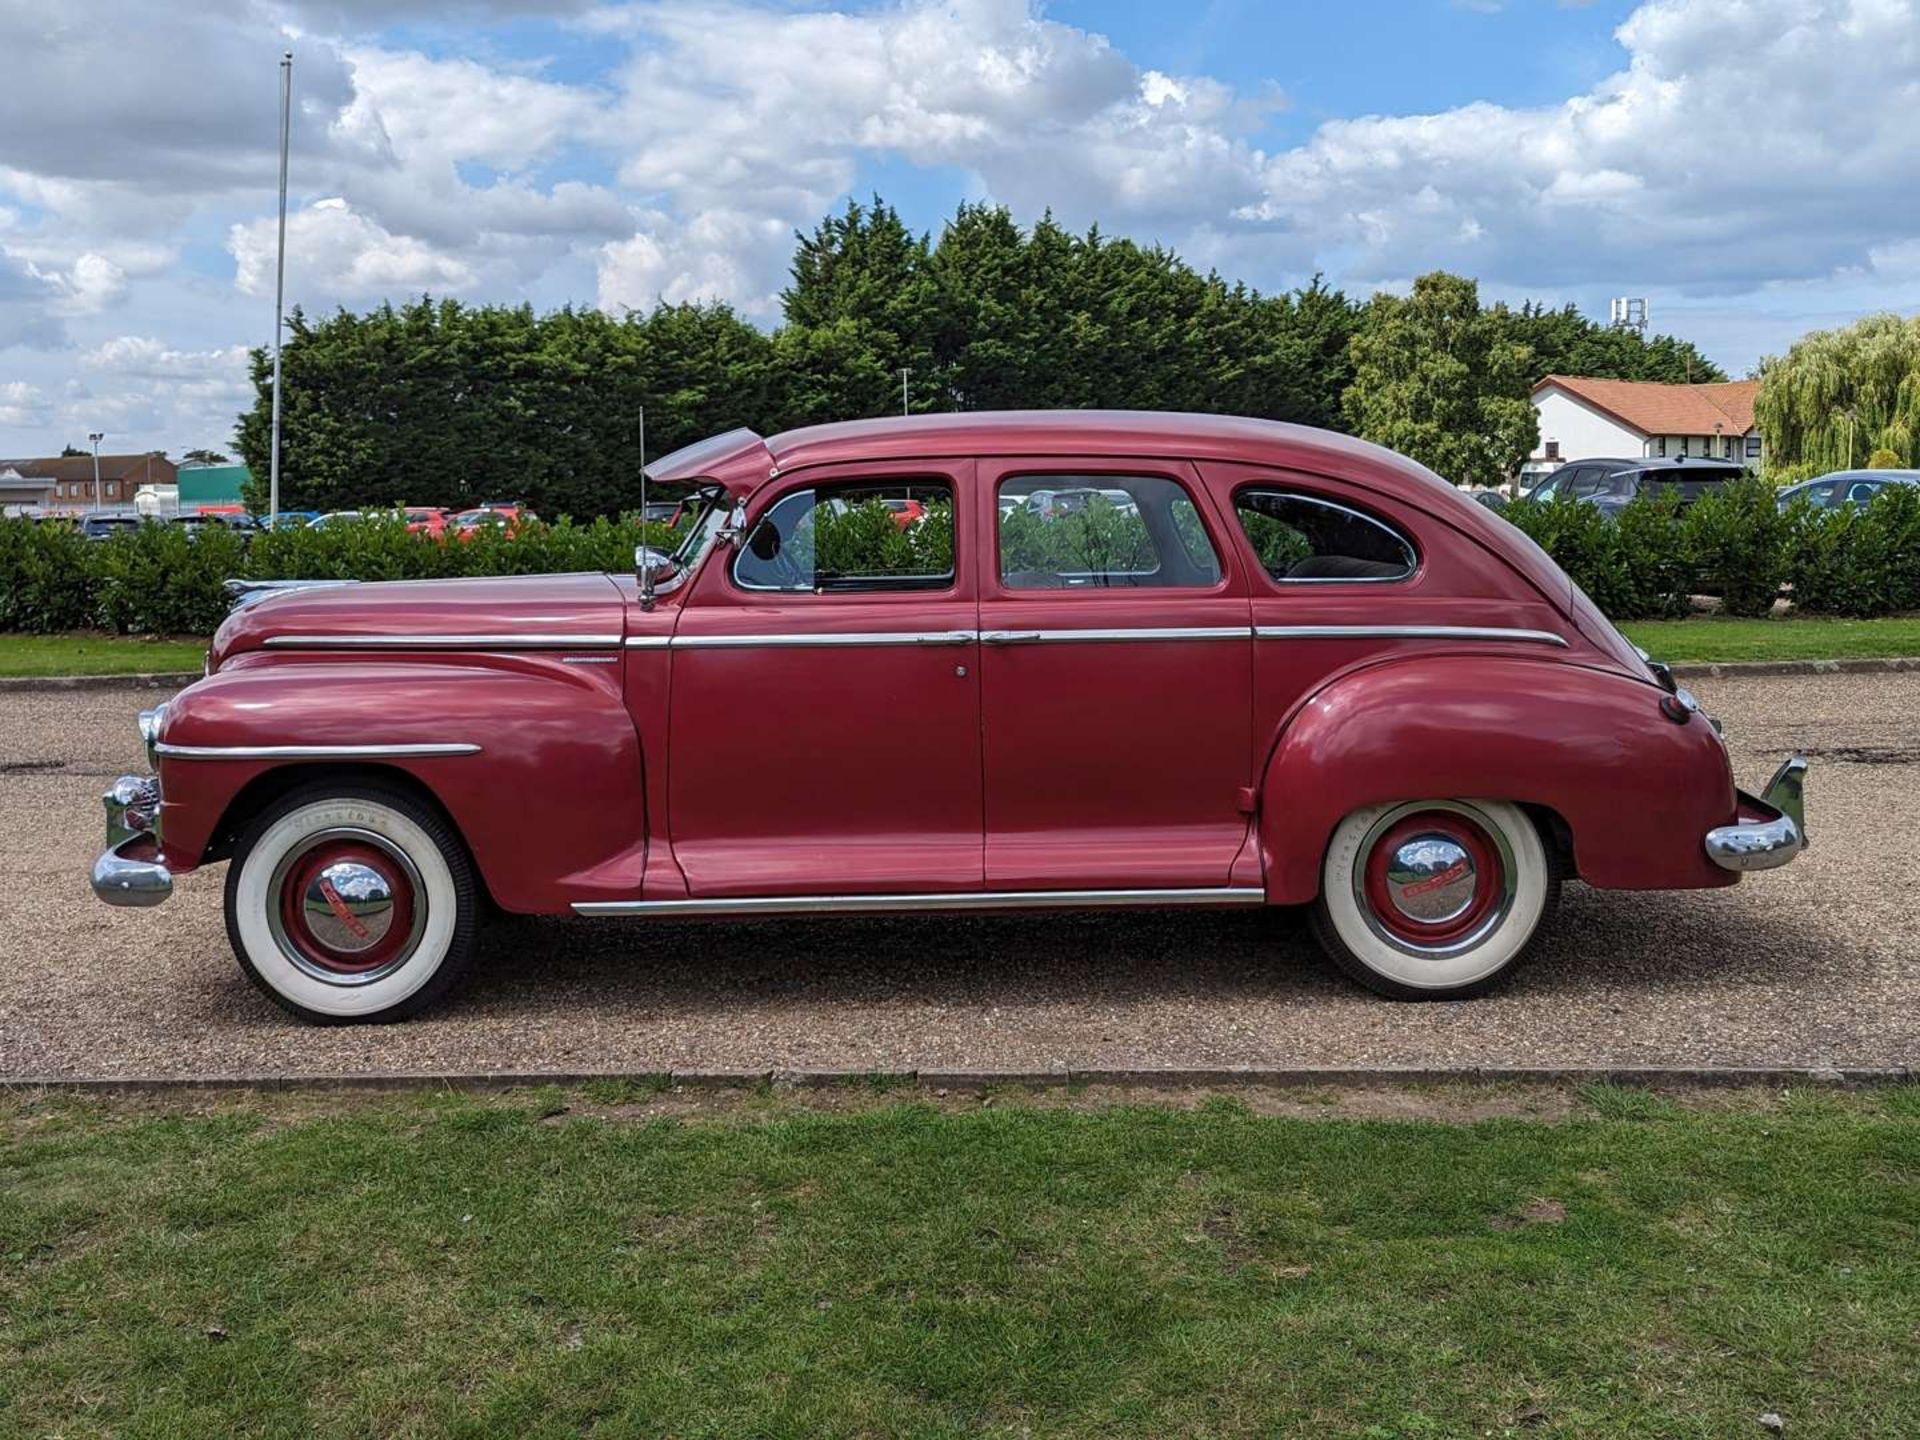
x=1071, y=532
x=872, y=536
x=1299, y=538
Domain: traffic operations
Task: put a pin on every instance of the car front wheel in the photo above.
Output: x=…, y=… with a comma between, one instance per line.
x=351, y=904
x=1434, y=899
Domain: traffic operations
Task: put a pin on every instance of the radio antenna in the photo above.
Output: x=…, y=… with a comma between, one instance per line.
x=646, y=550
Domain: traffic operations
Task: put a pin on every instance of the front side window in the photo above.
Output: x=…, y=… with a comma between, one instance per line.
x=1071, y=532
x=1300, y=538
x=869, y=535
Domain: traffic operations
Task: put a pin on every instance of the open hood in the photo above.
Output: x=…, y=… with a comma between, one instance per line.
x=739, y=461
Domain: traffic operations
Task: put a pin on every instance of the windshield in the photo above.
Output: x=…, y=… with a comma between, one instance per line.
x=699, y=516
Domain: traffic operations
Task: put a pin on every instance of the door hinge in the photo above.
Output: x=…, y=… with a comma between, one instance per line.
x=1249, y=800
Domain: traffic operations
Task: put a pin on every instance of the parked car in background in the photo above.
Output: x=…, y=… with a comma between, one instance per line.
x=334, y=517
x=428, y=520
x=290, y=520
x=1347, y=685
x=237, y=520
x=1609, y=485
x=1845, y=487
x=99, y=524
x=509, y=518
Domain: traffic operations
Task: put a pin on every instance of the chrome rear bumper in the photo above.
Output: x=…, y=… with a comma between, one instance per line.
x=1767, y=842
x=131, y=872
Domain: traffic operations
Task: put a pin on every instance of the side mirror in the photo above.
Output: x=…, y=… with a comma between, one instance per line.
x=764, y=542
x=649, y=561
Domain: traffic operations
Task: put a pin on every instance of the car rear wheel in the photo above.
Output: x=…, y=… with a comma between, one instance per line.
x=351, y=904
x=1434, y=899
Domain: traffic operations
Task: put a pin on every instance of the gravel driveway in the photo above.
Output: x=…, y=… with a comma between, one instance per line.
x=1817, y=965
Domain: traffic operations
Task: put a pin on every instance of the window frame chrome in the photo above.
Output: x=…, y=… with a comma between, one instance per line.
x=1414, y=552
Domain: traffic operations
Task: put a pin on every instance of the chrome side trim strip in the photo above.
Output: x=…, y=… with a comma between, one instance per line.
x=810, y=638
x=1152, y=632
x=314, y=752
x=957, y=900
x=1406, y=632
x=443, y=642
x=649, y=642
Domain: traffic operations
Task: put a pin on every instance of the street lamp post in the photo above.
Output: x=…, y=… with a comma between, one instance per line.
x=96, y=436
x=279, y=288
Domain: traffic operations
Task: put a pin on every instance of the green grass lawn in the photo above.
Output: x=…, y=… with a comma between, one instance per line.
x=1707, y=639
x=92, y=654
x=856, y=1264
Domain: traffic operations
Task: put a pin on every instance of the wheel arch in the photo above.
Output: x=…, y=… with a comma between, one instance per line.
x=1620, y=794
x=269, y=787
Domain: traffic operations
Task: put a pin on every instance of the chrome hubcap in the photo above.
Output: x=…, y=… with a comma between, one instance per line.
x=1431, y=879
x=349, y=907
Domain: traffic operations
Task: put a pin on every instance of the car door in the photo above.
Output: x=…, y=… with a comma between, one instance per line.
x=825, y=693
x=1115, y=666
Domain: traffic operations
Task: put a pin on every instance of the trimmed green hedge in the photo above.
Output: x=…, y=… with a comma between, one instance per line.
x=1643, y=565
x=1736, y=542
x=158, y=580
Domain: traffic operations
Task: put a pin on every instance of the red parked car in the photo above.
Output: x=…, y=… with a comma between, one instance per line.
x=428, y=520
x=509, y=518
x=1254, y=664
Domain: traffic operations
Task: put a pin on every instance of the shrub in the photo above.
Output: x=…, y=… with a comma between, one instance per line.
x=46, y=577
x=1857, y=562
x=1735, y=536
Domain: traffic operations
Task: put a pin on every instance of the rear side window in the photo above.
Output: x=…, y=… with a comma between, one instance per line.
x=872, y=536
x=1300, y=538
x=1072, y=532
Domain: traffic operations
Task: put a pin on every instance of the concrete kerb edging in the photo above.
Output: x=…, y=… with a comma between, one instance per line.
x=1854, y=1076
x=1734, y=669
x=170, y=680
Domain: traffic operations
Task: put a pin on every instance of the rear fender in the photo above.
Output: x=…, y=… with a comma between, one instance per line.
x=551, y=804
x=1637, y=791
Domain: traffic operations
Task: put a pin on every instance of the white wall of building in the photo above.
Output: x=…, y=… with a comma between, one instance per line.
x=1583, y=432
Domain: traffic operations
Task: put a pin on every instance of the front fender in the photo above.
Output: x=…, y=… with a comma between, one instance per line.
x=551, y=805
x=1638, y=791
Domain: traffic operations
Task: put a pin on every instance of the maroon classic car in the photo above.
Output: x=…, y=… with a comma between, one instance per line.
x=1112, y=659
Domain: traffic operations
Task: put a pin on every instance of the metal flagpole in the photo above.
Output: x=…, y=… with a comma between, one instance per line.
x=280, y=285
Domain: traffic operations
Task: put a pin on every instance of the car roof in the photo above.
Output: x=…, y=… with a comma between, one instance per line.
x=1903, y=477
x=740, y=460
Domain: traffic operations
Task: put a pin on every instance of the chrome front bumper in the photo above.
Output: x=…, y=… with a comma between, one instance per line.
x=1778, y=831
x=131, y=871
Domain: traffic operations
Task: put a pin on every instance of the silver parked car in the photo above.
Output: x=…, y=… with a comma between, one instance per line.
x=1846, y=487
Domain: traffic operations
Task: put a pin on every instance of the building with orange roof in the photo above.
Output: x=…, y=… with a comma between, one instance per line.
x=1587, y=419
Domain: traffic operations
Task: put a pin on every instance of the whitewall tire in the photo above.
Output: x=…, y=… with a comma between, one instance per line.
x=351, y=904
x=1434, y=899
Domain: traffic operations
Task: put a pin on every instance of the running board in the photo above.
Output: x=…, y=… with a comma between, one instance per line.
x=955, y=900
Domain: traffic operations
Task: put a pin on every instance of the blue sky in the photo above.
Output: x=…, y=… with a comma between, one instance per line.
x=1744, y=163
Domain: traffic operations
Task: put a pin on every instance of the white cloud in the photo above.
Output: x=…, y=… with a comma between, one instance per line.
x=338, y=252
x=1745, y=153
x=22, y=405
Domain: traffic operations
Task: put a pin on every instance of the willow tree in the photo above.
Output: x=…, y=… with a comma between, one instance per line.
x=1840, y=396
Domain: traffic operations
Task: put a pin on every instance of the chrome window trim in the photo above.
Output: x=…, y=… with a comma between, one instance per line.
x=1100, y=636
x=1405, y=541
x=315, y=752
x=808, y=639
x=1407, y=632
x=861, y=584
x=944, y=900
x=443, y=642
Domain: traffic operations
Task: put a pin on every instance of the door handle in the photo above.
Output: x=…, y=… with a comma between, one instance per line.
x=1009, y=637
x=945, y=637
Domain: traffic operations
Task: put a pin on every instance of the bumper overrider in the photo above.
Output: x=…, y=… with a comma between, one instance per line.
x=131, y=871
x=1772, y=829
